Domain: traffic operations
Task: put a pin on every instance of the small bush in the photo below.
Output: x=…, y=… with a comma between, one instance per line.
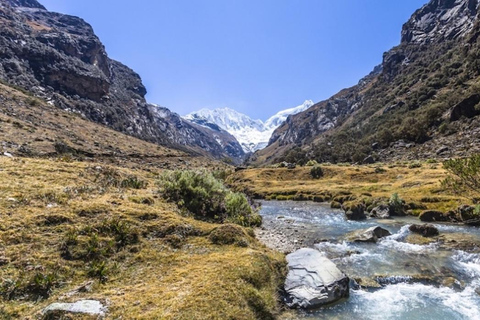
x=464, y=175
x=414, y=165
x=98, y=269
x=396, y=205
x=311, y=163
x=316, y=172
x=207, y=198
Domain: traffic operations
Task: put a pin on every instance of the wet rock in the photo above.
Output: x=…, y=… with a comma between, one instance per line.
x=426, y=230
x=381, y=212
x=465, y=213
x=459, y=241
x=473, y=222
x=354, y=210
x=432, y=215
x=313, y=280
x=419, y=239
x=85, y=307
x=368, y=235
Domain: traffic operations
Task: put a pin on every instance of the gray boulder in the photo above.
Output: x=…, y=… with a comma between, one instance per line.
x=313, y=280
x=86, y=307
x=381, y=212
x=368, y=235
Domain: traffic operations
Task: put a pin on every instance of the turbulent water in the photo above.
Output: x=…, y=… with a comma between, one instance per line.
x=414, y=281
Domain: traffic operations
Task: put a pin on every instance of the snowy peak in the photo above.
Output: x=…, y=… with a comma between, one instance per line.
x=280, y=117
x=252, y=134
x=226, y=118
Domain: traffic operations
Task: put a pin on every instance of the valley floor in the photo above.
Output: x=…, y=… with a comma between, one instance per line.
x=87, y=230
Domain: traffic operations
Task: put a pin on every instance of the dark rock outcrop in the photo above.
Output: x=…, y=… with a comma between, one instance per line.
x=426, y=230
x=59, y=58
x=354, y=210
x=432, y=215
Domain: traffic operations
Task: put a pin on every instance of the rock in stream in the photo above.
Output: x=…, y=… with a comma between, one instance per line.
x=313, y=280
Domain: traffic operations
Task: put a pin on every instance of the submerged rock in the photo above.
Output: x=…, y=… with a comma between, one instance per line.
x=313, y=280
x=368, y=235
x=87, y=307
x=426, y=230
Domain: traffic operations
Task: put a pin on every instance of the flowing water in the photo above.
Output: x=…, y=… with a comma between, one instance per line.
x=428, y=281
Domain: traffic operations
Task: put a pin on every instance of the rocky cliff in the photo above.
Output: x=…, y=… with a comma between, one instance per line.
x=421, y=102
x=60, y=59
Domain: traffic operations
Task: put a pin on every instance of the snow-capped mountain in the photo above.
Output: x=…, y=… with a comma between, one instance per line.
x=252, y=134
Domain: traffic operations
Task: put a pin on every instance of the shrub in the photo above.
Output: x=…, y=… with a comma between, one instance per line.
x=464, y=174
x=239, y=211
x=311, y=163
x=316, y=172
x=206, y=197
x=396, y=205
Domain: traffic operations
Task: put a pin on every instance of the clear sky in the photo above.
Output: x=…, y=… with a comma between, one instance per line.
x=255, y=56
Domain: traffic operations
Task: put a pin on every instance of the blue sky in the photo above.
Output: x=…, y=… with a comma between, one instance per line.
x=255, y=56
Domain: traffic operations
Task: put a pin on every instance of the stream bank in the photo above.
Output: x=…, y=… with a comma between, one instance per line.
x=395, y=278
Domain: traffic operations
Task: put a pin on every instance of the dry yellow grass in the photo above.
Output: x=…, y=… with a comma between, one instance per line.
x=173, y=271
x=419, y=183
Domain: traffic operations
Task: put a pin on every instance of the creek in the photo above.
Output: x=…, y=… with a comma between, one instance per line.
x=399, y=279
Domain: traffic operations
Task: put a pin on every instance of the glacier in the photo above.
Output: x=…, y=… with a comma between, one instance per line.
x=252, y=134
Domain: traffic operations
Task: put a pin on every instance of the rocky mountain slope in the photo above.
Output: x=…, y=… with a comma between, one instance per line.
x=252, y=134
x=59, y=58
x=421, y=102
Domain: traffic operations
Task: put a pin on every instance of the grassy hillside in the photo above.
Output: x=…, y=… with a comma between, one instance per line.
x=83, y=218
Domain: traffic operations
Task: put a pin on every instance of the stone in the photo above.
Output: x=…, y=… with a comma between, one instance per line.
x=465, y=213
x=432, y=215
x=381, y=212
x=313, y=280
x=442, y=149
x=465, y=108
x=354, y=210
x=371, y=234
x=368, y=160
x=473, y=222
x=86, y=307
x=426, y=230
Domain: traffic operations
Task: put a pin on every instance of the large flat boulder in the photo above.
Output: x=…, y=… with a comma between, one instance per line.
x=313, y=280
x=83, y=307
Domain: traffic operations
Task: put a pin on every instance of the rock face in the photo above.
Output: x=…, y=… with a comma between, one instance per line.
x=371, y=234
x=86, y=307
x=313, y=280
x=59, y=58
x=440, y=20
x=344, y=127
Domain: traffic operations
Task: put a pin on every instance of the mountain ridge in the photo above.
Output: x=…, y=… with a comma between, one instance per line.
x=404, y=109
x=58, y=58
x=252, y=134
